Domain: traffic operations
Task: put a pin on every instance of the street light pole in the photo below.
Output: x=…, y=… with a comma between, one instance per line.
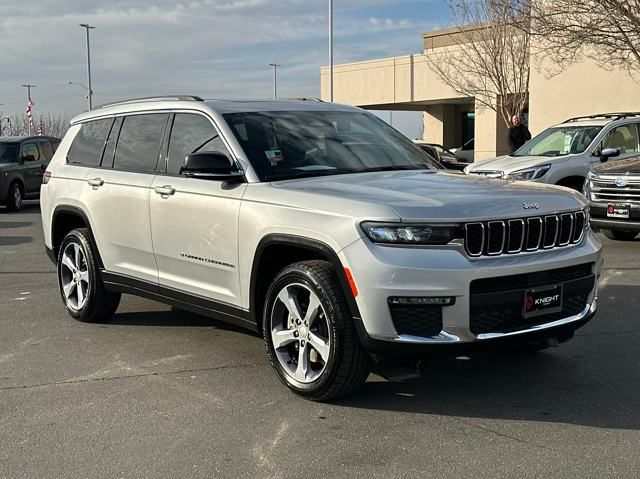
x=28, y=86
x=88, y=27
x=275, y=79
x=331, y=51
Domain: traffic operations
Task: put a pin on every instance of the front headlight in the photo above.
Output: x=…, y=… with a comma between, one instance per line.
x=412, y=234
x=530, y=173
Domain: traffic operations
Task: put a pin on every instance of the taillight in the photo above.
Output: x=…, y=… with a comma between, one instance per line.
x=45, y=177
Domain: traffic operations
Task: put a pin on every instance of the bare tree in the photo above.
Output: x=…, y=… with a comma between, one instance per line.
x=490, y=57
x=607, y=31
x=49, y=124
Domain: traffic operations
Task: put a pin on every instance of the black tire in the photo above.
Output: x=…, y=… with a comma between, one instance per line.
x=619, y=235
x=348, y=365
x=99, y=305
x=15, y=196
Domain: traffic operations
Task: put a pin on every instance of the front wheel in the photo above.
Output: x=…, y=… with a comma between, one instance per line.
x=309, y=333
x=619, y=235
x=79, y=280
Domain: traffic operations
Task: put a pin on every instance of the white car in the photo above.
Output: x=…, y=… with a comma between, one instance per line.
x=564, y=154
x=466, y=152
x=317, y=225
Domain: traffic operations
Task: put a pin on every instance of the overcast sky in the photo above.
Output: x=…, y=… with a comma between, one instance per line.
x=212, y=48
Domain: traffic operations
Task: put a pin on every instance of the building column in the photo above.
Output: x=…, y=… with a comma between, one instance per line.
x=440, y=125
x=491, y=137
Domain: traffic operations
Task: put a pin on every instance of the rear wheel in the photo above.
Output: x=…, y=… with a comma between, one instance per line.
x=619, y=235
x=309, y=333
x=15, y=196
x=79, y=280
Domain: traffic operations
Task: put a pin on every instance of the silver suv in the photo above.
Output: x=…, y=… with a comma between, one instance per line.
x=317, y=225
x=564, y=154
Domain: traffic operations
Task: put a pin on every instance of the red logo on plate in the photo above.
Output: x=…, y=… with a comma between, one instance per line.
x=611, y=210
x=528, y=302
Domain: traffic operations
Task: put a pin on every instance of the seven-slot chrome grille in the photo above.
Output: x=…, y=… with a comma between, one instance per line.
x=494, y=238
x=605, y=189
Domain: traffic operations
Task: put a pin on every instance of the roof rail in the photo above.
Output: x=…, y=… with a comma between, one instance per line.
x=154, y=98
x=307, y=98
x=616, y=115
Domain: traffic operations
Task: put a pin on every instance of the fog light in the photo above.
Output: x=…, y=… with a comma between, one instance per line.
x=439, y=301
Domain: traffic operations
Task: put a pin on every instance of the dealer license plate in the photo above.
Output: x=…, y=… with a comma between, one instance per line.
x=544, y=300
x=618, y=211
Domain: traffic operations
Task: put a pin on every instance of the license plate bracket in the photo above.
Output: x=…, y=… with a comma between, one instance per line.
x=542, y=300
x=618, y=210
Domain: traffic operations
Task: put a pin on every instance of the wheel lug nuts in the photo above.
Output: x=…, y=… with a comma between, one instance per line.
x=302, y=343
x=298, y=322
x=295, y=334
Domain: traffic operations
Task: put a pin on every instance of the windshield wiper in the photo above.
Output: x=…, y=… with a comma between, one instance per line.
x=393, y=168
x=304, y=174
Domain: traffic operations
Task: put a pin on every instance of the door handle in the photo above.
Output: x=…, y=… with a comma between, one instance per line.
x=97, y=182
x=165, y=190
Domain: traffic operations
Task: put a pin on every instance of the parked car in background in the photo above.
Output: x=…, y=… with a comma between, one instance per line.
x=317, y=225
x=466, y=152
x=613, y=191
x=442, y=155
x=564, y=154
x=23, y=160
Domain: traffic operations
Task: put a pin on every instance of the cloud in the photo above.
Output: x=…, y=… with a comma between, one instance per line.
x=217, y=48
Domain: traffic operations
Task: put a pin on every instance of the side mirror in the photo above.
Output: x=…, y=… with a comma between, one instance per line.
x=211, y=165
x=609, y=152
x=28, y=158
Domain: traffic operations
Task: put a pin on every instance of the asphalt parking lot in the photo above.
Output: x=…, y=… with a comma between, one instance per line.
x=164, y=393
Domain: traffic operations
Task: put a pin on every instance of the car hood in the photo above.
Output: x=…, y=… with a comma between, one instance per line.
x=628, y=166
x=509, y=164
x=428, y=195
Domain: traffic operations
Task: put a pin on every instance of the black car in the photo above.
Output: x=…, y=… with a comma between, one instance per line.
x=613, y=190
x=443, y=156
x=23, y=160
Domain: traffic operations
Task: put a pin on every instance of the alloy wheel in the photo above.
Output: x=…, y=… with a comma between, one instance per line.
x=300, y=333
x=74, y=276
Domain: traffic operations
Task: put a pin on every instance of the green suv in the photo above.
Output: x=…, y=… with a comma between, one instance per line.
x=23, y=160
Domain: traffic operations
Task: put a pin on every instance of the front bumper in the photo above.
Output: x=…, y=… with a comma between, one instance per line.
x=381, y=272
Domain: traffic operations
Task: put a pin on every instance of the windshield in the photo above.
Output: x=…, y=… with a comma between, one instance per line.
x=297, y=144
x=558, y=141
x=8, y=151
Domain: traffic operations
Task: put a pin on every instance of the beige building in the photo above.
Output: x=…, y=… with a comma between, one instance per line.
x=408, y=83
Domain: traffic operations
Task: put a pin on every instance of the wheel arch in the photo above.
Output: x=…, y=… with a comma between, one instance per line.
x=66, y=218
x=269, y=260
x=570, y=181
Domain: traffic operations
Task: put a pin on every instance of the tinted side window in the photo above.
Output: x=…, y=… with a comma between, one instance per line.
x=8, y=152
x=87, y=146
x=46, y=150
x=30, y=149
x=139, y=142
x=191, y=133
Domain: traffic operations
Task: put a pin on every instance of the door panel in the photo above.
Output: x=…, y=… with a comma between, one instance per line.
x=194, y=231
x=194, y=222
x=119, y=206
x=31, y=169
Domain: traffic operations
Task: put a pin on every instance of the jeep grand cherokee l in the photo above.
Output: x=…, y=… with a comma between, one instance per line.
x=317, y=225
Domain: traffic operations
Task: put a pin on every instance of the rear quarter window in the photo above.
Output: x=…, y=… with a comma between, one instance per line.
x=87, y=146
